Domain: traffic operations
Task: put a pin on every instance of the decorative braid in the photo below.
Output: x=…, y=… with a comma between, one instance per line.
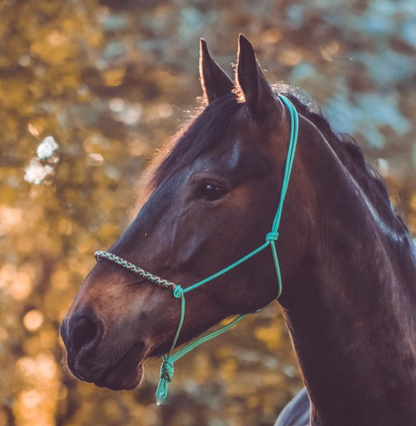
x=135, y=269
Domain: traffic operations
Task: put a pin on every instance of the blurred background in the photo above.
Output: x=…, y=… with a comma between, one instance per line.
x=89, y=91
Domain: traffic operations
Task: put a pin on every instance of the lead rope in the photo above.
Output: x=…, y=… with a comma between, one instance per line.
x=169, y=359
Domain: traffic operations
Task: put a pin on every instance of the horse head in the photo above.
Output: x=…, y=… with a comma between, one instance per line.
x=212, y=199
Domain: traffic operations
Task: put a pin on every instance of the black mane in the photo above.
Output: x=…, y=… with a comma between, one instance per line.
x=350, y=154
x=207, y=130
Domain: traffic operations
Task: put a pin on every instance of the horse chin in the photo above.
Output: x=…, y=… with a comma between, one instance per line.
x=115, y=380
x=127, y=374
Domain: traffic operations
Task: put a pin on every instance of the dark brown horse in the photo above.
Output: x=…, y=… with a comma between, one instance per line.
x=348, y=262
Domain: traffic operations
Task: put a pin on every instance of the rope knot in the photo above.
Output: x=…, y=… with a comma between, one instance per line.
x=272, y=236
x=167, y=370
x=178, y=292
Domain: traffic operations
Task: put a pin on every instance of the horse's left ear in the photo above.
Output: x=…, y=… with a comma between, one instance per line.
x=214, y=81
x=252, y=84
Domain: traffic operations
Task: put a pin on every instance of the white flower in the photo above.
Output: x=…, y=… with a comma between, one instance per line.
x=36, y=172
x=47, y=148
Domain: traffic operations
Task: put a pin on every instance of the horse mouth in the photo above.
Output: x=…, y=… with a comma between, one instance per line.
x=127, y=373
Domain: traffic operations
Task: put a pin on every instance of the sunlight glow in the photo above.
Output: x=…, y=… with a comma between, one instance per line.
x=9, y=218
x=31, y=398
x=32, y=130
x=33, y=320
x=21, y=286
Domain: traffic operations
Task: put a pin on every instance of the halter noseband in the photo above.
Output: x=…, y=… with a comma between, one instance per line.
x=169, y=359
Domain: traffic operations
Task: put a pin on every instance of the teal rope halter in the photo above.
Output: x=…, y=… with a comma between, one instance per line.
x=169, y=359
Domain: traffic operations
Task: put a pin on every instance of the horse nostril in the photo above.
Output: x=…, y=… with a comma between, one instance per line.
x=84, y=332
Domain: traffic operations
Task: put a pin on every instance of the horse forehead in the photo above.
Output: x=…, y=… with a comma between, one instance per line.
x=241, y=151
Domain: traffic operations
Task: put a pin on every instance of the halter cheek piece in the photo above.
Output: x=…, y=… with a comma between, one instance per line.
x=169, y=359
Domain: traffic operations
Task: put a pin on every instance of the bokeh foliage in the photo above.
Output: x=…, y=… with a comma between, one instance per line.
x=88, y=92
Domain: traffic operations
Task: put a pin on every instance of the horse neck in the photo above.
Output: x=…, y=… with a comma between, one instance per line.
x=352, y=318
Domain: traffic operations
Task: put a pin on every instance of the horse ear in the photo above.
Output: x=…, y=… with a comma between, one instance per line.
x=214, y=80
x=253, y=85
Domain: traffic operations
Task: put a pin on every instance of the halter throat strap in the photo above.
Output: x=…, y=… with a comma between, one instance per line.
x=169, y=359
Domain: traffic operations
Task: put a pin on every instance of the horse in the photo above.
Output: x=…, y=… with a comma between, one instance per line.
x=347, y=260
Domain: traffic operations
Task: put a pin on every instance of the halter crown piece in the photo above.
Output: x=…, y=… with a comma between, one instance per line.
x=169, y=359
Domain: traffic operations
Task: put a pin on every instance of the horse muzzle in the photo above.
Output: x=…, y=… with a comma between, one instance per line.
x=93, y=360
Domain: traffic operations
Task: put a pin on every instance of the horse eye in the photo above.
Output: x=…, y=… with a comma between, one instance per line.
x=211, y=191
